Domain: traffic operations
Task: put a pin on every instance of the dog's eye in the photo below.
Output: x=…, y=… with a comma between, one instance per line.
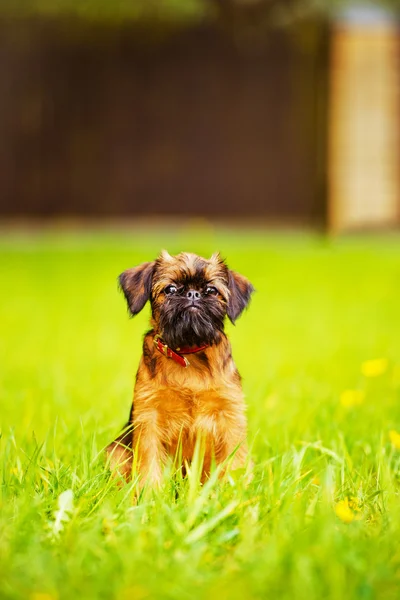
x=211, y=290
x=171, y=289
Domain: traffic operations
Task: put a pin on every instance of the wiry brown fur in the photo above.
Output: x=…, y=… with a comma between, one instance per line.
x=173, y=405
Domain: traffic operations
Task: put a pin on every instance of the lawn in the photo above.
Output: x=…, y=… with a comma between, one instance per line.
x=319, y=352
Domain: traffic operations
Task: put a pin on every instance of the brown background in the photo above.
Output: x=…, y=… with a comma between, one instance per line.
x=125, y=121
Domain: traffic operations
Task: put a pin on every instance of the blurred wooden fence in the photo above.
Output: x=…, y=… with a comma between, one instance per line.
x=105, y=121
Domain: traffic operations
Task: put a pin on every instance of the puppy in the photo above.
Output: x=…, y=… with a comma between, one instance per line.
x=187, y=385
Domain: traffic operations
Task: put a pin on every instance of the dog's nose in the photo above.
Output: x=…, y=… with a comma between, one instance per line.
x=193, y=295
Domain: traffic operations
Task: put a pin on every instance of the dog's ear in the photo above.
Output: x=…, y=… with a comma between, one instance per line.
x=240, y=290
x=136, y=285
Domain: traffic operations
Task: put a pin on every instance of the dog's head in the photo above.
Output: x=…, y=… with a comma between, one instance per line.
x=190, y=296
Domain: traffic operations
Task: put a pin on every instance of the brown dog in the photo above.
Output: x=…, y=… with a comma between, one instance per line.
x=187, y=385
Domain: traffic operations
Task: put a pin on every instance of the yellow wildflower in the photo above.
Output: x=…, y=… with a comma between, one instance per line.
x=350, y=398
x=347, y=510
x=374, y=368
x=315, y=480
x=395, y=439
x=343, y=511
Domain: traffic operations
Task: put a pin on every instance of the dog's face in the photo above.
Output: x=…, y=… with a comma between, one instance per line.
x=190, y=296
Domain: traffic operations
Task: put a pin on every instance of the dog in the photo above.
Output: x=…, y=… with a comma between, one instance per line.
x=187, y=385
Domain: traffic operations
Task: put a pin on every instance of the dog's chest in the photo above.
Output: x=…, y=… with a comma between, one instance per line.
x=184, y=415
x=182, y=404
x=180, y=408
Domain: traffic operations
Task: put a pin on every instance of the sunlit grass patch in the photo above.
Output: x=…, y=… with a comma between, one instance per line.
x=319, y=354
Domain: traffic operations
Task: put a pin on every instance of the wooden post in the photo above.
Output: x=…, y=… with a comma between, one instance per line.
x=364, y=122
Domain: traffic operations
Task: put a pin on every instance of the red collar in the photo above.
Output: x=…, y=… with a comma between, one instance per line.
x=178, y=358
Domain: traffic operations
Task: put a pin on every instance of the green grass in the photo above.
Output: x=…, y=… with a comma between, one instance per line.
x=68, y=355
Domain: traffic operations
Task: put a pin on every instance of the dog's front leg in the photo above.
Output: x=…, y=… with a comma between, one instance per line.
x=150, y=454
x=222, y=420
